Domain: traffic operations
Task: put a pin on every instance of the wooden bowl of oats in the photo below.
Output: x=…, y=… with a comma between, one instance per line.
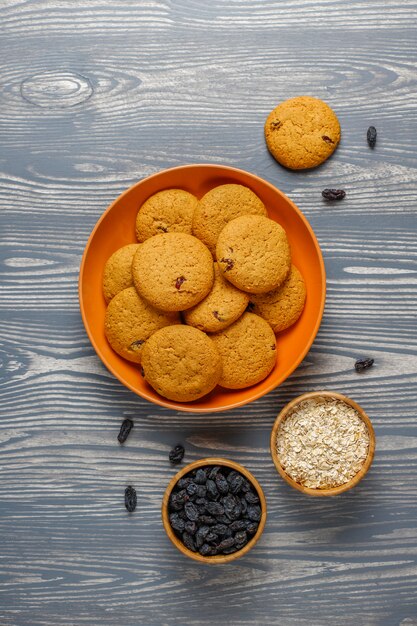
x=322, y=443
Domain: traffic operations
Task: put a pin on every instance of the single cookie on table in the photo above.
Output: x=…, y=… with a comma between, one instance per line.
x=130, y=321
x=117, y=273
x=253, y=253
x=173, y=271
x=220, y=205
x=248, y=351
x=181, y=363
x=220, y=308
x=302, y=132
x=282, y=307
x=167, y=211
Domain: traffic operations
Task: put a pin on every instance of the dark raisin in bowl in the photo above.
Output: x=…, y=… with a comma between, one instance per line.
x=214, y=510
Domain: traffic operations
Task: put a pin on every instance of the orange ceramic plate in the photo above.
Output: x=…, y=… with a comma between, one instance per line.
x=116, y=228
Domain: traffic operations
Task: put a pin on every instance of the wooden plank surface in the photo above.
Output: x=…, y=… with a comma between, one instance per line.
x=95, y=95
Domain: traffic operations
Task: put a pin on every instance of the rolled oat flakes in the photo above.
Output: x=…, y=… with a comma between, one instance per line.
x=322, y=443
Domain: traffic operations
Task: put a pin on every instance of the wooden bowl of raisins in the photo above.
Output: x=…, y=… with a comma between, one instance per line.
x=214, y=510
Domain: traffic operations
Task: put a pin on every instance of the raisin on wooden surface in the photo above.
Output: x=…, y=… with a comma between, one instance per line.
x=333, y=194
x=125, y=429
x=130, y=499
x=363, y=364
x=371, y=136
x=177, y=454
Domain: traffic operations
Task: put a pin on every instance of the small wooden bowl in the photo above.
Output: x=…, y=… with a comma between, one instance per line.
x=333, y=491
x=224, y=558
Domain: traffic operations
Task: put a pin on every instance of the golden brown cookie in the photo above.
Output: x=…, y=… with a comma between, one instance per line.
x=167, y=211
x=248, y=351
x=130, y=321
x=302, y=132
x=173, y=271
x=220, y=205
x=253, y=253
x=117, y=273
x=223, y=306
x=282, y=307
x=181, y=363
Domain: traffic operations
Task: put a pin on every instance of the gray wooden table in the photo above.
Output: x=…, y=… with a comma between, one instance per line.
x=95, y=95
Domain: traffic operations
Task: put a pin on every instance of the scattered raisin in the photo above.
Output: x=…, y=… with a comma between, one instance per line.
x=180, y=280
x=327, y=139
x=177, y=454
x=363, y=364
x=333, y=194
x=125, y=429
x=164, y=229
x=229, y=264
x=371, y=136
x=130, y=499
x=275, y=125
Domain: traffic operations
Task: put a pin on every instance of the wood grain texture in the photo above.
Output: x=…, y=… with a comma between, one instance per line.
x=95, y=95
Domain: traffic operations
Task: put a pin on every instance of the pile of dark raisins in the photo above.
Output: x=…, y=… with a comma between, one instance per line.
x=214, y=510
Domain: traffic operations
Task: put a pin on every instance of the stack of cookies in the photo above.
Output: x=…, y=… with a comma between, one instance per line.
x=197, y=302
